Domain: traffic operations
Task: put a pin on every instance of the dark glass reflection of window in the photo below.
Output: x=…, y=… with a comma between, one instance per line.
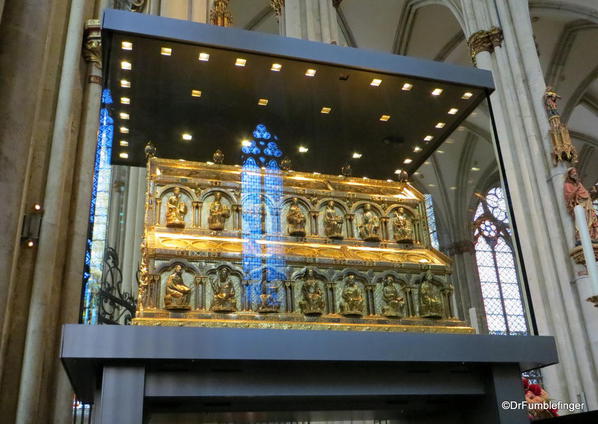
x=261, y=221
x=496, y=267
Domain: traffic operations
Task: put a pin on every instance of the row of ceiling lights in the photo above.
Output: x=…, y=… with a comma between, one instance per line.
x=276, y=67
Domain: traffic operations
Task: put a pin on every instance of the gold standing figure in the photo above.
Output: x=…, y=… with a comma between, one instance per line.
x=176, y=209
x=219, y=213
x=296, y=220
x=369, y=229
x=333, y=223
x=224, y=293
x=177, y=293
x=352, y=303
x=402, y=226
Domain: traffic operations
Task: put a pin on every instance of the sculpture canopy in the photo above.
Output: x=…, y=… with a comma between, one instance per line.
x=165, y=69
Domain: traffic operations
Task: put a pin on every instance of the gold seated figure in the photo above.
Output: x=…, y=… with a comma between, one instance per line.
x=394, y=302
x=177, y=293
x=313, y=298
x=224, y=293
x=352, y=303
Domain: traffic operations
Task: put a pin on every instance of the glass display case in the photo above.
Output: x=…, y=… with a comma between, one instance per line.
x=296, y=185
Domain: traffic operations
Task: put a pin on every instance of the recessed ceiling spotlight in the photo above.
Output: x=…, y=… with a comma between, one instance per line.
x=303, y=149
x=407, y=161
x=125, y=84
x=407, y=87
x=376, y=82
x=187, y=136
x=475, y=168
x=326, y=110
x=440, y=125
x=450, y=141
x=276, y=67
x=124, y=130
x=398, y=171
x=240, y=62
x=123, y=115
x=427, y=162
x=204, y=57
x=467, y=95
x=431, y=185
x=126, y=45
x=310, y=72
x=453, y=187
x=126, y=65
x=125, y=100
x=357, y=155
x=195, y=93
x=428, y=138
x=123, y=155
x=262, y=102
x=384, y=118
x=437, y=91
x=165, y=51
x=417, y=149
x=123, y=143
x=453, y=111
x=441, y=152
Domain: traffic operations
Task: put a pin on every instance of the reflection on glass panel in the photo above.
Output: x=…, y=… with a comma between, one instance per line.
x=432, y=221
x=496, y=263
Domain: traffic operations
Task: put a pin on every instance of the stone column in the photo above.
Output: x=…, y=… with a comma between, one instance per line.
x=29, y=60
x=537, y=203
x=313, y=20
x=48, y=279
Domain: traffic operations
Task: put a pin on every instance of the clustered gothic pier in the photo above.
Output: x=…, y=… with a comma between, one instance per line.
x=250, y=246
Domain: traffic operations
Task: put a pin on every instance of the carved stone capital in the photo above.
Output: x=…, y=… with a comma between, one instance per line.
x=92, y=42
x=277, y=6
x=484, y=41
x=460, y=247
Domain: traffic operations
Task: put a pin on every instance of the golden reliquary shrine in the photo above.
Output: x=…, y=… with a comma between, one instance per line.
x=252, y=246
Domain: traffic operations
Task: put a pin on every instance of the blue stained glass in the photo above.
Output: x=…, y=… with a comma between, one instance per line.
x=98, y=212
x=260, y=202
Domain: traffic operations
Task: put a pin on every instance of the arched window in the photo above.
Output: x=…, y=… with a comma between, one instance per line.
x=496, y=266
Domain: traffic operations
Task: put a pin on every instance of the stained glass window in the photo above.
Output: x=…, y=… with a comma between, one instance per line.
x=431, y=221
x=98, y=213
x=501, y=290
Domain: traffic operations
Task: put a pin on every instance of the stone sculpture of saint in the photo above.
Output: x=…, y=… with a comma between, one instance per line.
x=402, y=226
x=224, y=293
x=219, y=213
x=176, y=209
x=333, y=223
x=430, y=298
x=394, y=301
x=312, y=302
x=369, y=229
x=352, y=298
x=296, y=220
x=177, y=293
x=577, y=194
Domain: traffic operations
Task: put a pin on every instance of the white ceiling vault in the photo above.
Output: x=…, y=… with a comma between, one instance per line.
x=566, y=34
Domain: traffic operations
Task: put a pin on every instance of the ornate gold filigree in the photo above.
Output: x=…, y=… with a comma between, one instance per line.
x=562, y=147
x=290, y=325
x=220, y=13
x=484, y=41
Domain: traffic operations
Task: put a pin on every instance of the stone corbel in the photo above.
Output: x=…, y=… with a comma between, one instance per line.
x=92, y=42
x=484, y=41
